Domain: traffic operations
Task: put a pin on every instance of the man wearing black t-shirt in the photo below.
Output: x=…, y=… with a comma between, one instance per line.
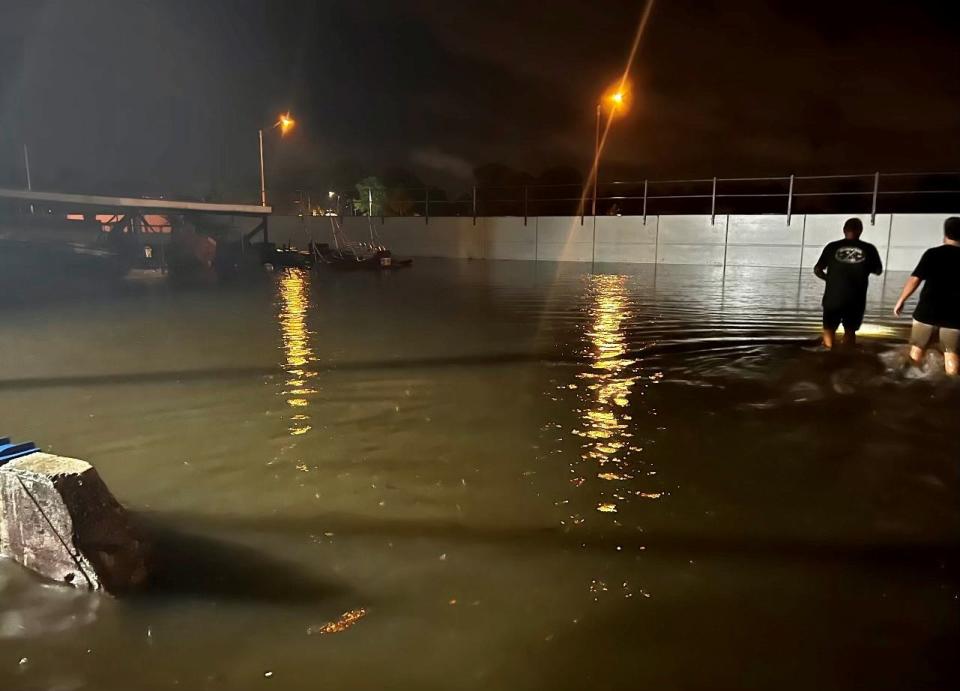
x=939, y=306
x=846, y=266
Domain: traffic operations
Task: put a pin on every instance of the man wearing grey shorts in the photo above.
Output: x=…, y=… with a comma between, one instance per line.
x=939, y=305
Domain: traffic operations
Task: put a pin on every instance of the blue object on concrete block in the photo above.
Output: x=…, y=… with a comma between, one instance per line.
x=9, y=451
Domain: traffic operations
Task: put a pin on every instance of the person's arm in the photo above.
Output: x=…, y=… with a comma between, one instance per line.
x=818, y=268
x=909, y=288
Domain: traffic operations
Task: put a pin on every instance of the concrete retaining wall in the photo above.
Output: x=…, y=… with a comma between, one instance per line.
x=734, y=240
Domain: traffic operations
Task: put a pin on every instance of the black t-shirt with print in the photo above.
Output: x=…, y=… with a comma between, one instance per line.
x=848, y=264
x=939, y=269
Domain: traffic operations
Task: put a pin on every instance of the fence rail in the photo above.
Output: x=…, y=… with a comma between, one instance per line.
x=788, y=194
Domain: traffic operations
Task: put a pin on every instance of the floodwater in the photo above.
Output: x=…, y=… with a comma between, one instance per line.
x=491, y=475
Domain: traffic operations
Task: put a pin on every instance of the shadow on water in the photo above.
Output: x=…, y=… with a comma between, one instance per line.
x=710, y=642
x=893, y=551
x=241, y=373
x=190, y=565
x=469, y=360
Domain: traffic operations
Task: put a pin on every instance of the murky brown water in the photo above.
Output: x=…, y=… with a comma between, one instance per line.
x=492, y=475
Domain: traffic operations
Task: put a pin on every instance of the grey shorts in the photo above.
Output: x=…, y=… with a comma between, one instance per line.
x=922, y=333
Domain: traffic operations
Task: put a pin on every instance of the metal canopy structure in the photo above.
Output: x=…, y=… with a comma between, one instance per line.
x=133, y=208
x=108, y=203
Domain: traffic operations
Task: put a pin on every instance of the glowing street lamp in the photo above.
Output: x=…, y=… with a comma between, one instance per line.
x=285, y=123
x=335, y=195
x=614, y=101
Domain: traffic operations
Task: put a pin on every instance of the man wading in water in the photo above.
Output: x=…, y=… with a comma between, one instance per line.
x=939, y=306
x=846, y=266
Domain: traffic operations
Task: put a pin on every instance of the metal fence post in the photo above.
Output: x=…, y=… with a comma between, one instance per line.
x=474, y=205
x=726, y=246
x=886, y=258
x=790, y=200
x=713, y=202
x=873, y=208
x=426, y=204
x=645, y=202
x=593, y=251
x=536, y=241
x=803, y=240
x=524, y=205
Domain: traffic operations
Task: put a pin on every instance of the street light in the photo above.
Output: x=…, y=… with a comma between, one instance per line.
x=285, y=123
x=615, y=100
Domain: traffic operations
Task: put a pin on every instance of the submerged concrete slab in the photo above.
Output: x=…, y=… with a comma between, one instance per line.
x=58, y=518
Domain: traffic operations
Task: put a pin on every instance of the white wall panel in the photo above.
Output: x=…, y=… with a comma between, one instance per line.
x=689, y=230
x=762, y=240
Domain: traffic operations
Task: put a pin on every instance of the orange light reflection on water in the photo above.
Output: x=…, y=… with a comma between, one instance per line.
x=609, y=469
x=607, y=385
x=294, y=303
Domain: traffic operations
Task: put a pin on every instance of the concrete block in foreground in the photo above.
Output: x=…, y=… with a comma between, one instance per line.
x=58, y=518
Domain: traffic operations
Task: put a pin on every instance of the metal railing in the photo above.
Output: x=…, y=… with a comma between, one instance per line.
x=787, y=195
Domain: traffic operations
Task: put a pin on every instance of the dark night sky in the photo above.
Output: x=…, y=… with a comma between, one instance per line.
x=166, y=96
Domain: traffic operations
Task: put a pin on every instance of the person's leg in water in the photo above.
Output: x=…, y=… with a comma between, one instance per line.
x=831, y=320
x=920, y=336
x=852, y=321
x=950, y=340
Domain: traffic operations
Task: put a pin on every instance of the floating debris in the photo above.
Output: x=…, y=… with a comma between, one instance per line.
x=344, y=622
x=607, y=508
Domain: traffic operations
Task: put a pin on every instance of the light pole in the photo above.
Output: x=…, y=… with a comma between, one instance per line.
x=616, y=100
x=596, y=162
x=263, y=181
x=285, y=123
x=26, y=164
